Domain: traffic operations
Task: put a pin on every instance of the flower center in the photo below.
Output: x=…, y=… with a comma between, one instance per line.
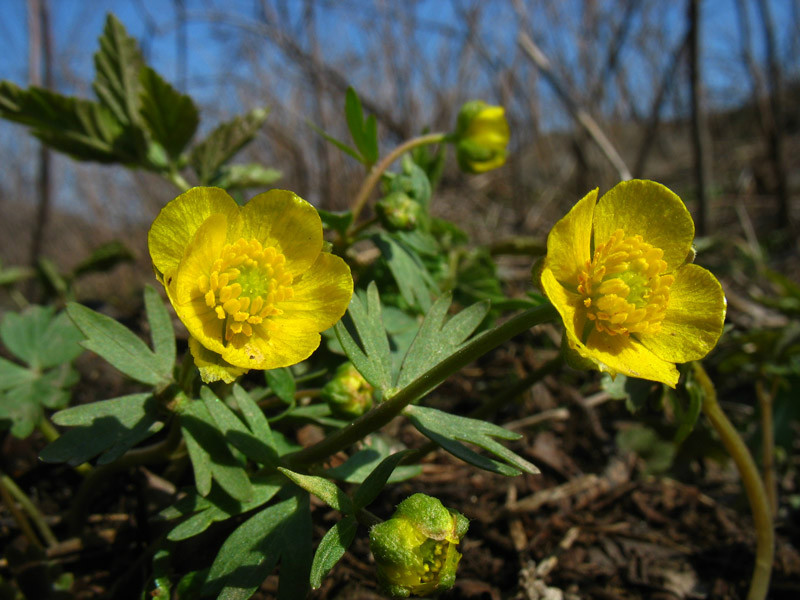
x=245, y=283
x=624, y=287
x=433, y=557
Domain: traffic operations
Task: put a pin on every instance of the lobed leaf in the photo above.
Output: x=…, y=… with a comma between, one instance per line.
x=450, y=430
x=412, y=278
x=119, y=346
x=171, y=117
x=40, y=338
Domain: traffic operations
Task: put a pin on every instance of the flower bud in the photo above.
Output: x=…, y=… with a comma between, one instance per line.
x=415, y=550
x=348, y=394
x=398, y=211
x=481, y=137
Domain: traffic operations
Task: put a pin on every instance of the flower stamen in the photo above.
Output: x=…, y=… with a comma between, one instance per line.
x=245, y=283
x=624, y=287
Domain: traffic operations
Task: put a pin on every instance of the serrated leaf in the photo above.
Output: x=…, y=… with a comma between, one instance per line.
x=119, y=346
x=221, y=144
x=161, y=331
x=322, y=488
x=231, y=177
x=210, y=453
x=415, y=283
x=450, y=430
x=217, y=506
x=374, y=362
x=331, y=548
x=104, y=258
x=110, y=426
x=81, y=128
x=279, y=532
x=170, y=117
x=117, y=65
x=236, y=433
x=437, y=339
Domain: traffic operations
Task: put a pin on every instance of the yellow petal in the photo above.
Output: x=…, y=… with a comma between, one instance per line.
x=648, y=209
x=622, y=354
x=569, y=242
x=284, y=220
x=321, y=295
x=569, y=306
x=189, y=301
x=179, y=220
x=211, y=365
x=694, y=318
x=282, y=347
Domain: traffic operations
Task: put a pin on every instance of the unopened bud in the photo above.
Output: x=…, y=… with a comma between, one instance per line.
x=481, y=137
x=415, y=550
x=348, y=394
x=398, y=211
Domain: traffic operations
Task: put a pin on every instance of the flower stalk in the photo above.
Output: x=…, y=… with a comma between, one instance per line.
x=751, y=479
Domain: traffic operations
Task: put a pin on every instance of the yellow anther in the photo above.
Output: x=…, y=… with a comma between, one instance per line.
x=624, y=287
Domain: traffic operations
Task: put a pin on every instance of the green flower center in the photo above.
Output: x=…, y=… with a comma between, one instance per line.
x=624, y=287
x=245, y=283
x=433, y=558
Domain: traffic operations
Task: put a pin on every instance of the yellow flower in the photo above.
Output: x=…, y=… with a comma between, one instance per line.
x=251, y=284
x=481, y=137
x=619, y=272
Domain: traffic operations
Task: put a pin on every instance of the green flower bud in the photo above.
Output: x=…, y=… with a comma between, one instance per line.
x=348, y=394
x=481, y=137
x=415, y=550
x=398, y=211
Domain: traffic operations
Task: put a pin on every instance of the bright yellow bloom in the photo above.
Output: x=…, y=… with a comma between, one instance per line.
x=251, y=284
x=619, y=272
x=481, y=136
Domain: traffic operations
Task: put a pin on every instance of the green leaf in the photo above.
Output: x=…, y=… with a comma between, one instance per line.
x=104, y=258
x=40, y=338
x=217, y=506
x=363, y=463
x=12, y=375
x=657, y=454
x=117, y=66
x=331, y=548
x=415, y=283
x=110, y=426
x=281, y=382
x=450, y=430
x=20, y=410
x=436, y=339
x=338, y=222
x=374, y=362
x=210, y=454
x=171, y=117
x=365, y=135
x=340, y=145
x=231, y=177
x=282, y=532
x=221, y=144
x=119, y=346
x=161, y=331
x=372, y=486
x=253, y=416
x=80, y=128
x=322, y=488
x=686, y=407
x=236, y=433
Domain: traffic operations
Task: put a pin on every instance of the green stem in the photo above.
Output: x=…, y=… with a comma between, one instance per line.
x=29, y=507
x=385, y=412
x=362, y=197
x=767, y=442
x=754, y=488
x=177, y=180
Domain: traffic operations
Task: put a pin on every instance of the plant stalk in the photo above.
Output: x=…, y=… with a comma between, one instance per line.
x=378, y=170
x=765, y=399
x=385, y=412
x=751, y=479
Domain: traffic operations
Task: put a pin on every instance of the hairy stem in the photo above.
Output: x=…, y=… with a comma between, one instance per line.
x=385, y=412
x=754, y=488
